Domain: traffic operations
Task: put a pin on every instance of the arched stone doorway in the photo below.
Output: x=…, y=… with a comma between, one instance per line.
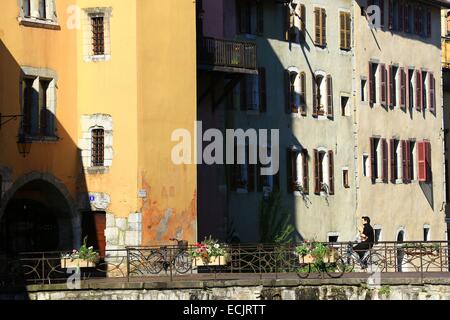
x=37, y=215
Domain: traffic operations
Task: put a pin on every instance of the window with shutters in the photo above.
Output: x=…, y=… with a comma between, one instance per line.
x=243, y=173
x=383, y=90
x=379, y=160
x=298, y=172
x=323, y=172
x=395, y=159
x=403, y=89
x=431, y=92
x=392, y=86
x=96, y=34
x=345, y=30
x=98, y=147
x=323, y=101
x=410, y=89
x=373, y=85
x=320, y=27
x=251, y=94
x=251, y=16
x=296, y=92
x=418, y=90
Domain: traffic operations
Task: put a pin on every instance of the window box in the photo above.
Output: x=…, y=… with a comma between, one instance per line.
x=310, y=259
x=213, y=261
x=76, y=263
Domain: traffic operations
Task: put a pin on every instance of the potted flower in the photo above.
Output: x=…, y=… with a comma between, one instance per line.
x=315, y=253
x=209, y=253
x=85, y=257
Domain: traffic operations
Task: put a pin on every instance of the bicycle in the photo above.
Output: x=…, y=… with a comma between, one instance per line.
x=352, y=259
x=164, y=258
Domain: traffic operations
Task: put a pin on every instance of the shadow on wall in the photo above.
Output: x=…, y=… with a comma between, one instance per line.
x=44, y=201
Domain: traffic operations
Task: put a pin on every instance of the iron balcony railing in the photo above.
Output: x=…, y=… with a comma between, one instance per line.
x=226, y=53
x=172, y=263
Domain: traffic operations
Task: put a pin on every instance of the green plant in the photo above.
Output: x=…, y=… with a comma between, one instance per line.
x=320, y=251
x=207, y=249
x=385, y=290
x=84, y=253
x=275, y=220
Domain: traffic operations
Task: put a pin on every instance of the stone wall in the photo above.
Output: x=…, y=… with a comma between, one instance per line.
x=121, y=232
x=439, y=289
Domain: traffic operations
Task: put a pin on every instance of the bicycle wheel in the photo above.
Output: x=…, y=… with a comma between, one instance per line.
x=182, y=262
x=304, y=270
x=336, y=269
x=154, y=262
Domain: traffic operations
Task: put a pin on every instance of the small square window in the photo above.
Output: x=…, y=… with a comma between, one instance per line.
x=377, y=235
x=365, y=165
x=345, y=178
x=333, y=239
x=345, y=106
x=426, y=233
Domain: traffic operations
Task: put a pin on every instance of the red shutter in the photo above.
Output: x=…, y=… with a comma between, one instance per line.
x=317, y=185
x=305, y=171
x=404, y=162
x=262, y=90
x=422, y=165
x=407, y=84
x=418, y=90
x=390, y=87
x=331, y=170
x=372, y=159
x=383, y=84
x=287, y=92
x=393, y=161
x=385, y=155
x=315, y=97
x=402, y=88
x=370, y=91
x=329, y=97
x=432, y=92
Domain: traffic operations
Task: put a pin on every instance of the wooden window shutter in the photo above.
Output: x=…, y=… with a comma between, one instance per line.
x=393, y=161
x=290, y=170
x=429, y=23
x=372, y=160
x=371, y=82
x=331, y=171
x=329, y=97
x=315, y=97
x=324, y=27
x=342, y=30
x=348, y=31
x=383, y=84
x=317, y=26
x=381, y=4
x=390, y=87
x=405, y=172
x=408, y=160
x=242, y=13
x=288, y=95
x=317, y=185
x=259, y=17
x=421, y=162
x=303, y=93
x=406, y=22
x=431, y=92
x=262, y=90
x=302, y=21
x=385, y=155
x=418, y=90
x=391, y=14
x=305, y=171
x=287, y=21
x=402, y=88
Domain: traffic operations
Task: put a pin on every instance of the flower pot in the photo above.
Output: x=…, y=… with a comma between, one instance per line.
x=76, y=263
x=309, y=258
x=213, y=261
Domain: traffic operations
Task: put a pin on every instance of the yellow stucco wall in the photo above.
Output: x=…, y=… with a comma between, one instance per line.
x=167, y=101
x=41, y=48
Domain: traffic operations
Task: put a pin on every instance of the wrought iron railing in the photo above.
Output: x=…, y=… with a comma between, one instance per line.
x=227, y=53
x=171, y=263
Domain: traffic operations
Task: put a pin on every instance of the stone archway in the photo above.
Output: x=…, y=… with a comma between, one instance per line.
x=37, y=213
